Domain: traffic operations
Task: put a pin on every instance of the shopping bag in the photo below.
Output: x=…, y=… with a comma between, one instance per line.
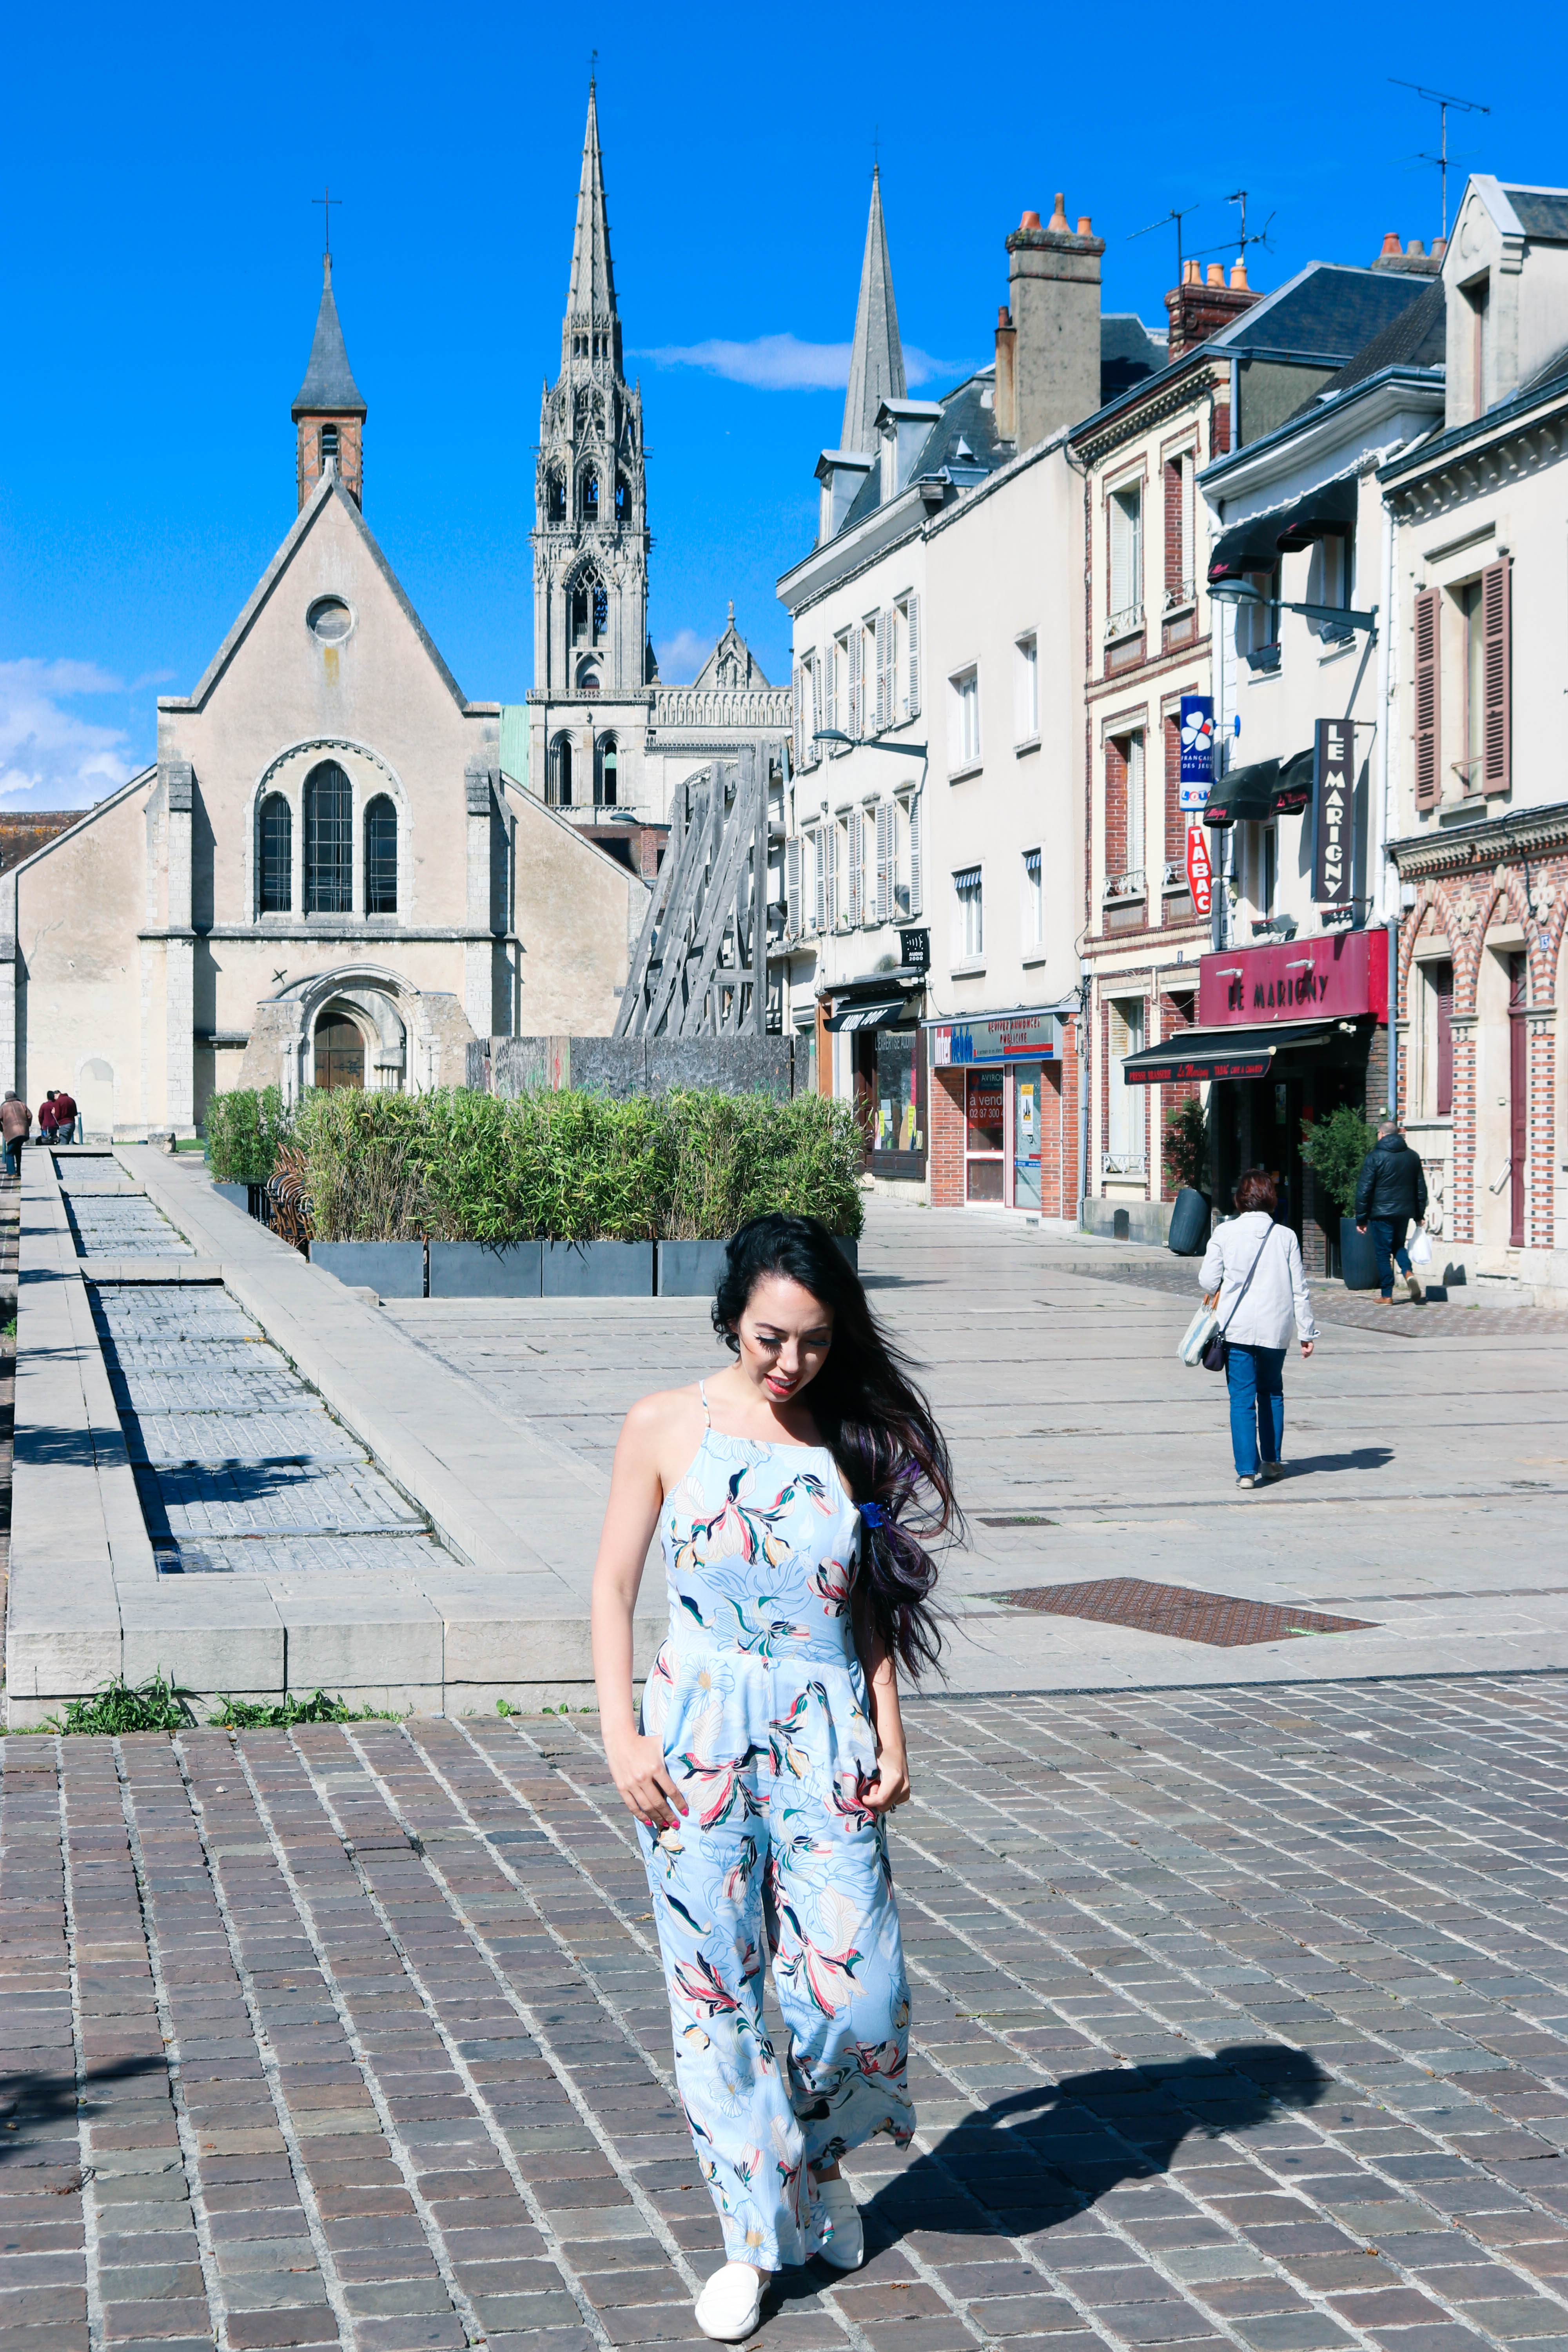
x=1197, y=1337
x=1421, y=1247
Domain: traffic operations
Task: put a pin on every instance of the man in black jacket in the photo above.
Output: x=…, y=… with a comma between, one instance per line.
x=1389, y=1191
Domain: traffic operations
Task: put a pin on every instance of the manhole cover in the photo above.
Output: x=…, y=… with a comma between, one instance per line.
x=1217, y=1618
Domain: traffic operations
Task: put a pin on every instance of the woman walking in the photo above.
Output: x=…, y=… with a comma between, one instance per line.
x=1255, y=1265
x=795, y=1494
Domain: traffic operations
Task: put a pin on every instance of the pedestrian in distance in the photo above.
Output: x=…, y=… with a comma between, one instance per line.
x=795, y=1494
x=1252, y=1277
x=65, y=1118
x=15, y=1126
x=1389, y=1191
x=47, y=1119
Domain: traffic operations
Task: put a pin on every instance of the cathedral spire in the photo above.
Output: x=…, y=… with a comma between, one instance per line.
x=877, y=360
x=328, y=412
x=590, y=301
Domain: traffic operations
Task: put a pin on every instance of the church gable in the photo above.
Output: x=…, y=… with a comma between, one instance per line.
x=732, y=662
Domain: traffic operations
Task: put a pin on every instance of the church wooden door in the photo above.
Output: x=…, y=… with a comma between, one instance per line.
x=339, y=1055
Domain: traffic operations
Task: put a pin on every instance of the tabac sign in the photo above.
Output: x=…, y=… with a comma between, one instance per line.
x=1335, y=772
x=1341, y=975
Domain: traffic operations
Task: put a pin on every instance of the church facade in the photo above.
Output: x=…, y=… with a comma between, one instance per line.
x=325, y=879
x=600, y=737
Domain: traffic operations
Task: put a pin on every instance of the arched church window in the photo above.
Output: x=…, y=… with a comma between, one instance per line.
x=555, y=498
x=606, y=764
x=622, y=497
x=560, y=779
x=588, y=497
x=328, y=841
x=601, y=613
x=381, y=857
x=277, y=828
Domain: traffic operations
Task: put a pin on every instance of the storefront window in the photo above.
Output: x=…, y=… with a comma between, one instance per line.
x=895, y=1120
x=986, y=1134
x=1027, y=1105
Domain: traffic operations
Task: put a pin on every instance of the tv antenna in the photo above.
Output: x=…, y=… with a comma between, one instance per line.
x=1442, y=100
x=1177, y=214
x=1259, y=236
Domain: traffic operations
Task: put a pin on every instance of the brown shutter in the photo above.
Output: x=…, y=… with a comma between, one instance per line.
x=1428, y=779
x=1496, y=651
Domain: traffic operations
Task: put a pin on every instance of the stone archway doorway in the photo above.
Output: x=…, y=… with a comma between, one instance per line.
x=340, y=1048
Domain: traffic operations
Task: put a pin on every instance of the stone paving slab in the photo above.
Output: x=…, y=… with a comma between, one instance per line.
x=1240, y=2018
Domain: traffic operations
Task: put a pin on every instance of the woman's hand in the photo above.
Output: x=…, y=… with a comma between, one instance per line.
x=642, y=1776
x=1306, y=1347
x=892, y=1787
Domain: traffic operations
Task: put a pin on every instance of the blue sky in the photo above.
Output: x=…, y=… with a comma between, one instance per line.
x=164, y=269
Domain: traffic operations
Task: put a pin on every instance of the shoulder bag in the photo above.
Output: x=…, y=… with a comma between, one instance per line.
x=1216, y=1355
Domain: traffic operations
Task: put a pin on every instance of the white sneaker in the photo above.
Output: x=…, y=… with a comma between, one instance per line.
x=845, y=2249
x=730, y=2303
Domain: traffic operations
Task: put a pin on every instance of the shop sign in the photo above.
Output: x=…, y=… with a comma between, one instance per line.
x=1339, y=976
x=914, y=949
x=1200, y=871
x=1023, y=1037
x=1197, y=750
x=1335, y=772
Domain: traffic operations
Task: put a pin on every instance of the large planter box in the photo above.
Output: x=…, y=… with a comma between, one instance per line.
x=1189, y=1223
x=1358, y=1259
x=470, y=1270
x=239, y=1193
x=850, y=1248
x=690, y=1269
x=392, y=1269
x=598, y=1270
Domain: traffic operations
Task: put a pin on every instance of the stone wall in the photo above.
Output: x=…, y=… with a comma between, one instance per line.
x=633, y=1065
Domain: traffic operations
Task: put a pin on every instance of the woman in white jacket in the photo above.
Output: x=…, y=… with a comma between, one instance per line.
x=1258, y=1316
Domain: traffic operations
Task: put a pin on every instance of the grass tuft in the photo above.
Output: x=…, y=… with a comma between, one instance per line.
x=247, y=1714
x=120, y=1706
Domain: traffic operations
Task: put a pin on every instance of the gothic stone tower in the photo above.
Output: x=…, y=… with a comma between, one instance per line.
x=590, y=536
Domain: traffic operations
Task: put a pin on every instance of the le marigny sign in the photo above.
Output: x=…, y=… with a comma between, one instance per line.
x=1333, y=978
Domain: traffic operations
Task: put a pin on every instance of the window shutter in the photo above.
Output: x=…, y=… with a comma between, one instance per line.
x=854, y=727
x=884, y=861
x=1121, y=570
x=830, y=853
x=912, y=703
x=829, y=685
x=819, y=881
x=917, y=899
x=1428, y=782
x=799, y=723
x=792, y=887
x=1498, y=650
x=857, y=832
x=884, y=670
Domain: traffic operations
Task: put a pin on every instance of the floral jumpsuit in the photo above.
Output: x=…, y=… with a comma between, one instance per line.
x=759, y=1703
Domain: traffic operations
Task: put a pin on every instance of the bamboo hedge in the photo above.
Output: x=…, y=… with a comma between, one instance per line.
x=455, y=1165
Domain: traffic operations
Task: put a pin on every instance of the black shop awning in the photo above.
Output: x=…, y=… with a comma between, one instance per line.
x=1223, y=1052
x=1267, y=788
x=882, y=1013
x=1257, y=544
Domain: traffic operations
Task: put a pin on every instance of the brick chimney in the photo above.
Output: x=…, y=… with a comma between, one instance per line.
x=1053, y=285
x=1412, y=261
x=1198, y=309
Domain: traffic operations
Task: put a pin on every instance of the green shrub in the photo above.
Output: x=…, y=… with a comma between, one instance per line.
x=1333, y=1149
x=1187, y=1144
x=243, y=1130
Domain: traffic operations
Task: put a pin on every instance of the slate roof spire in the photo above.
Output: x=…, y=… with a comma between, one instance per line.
x=877, y=360
x=591, y=299
x=329, y=388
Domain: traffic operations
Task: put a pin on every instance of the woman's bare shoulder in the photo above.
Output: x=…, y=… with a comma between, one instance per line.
x=663, y=1413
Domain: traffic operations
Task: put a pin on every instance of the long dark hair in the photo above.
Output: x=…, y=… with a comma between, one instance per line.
x=874, y=1419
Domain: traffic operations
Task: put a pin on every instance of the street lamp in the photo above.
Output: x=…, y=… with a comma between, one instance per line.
x=866, y=744
x=1242, y=592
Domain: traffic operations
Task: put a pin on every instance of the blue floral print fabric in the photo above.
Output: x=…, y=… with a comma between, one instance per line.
x=759, y=1703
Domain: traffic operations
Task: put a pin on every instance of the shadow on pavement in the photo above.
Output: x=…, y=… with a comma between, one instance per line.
x=31, y=2099
x=1033, y=2158
x=1359, y=1457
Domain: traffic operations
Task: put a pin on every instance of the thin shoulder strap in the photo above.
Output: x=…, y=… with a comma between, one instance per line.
x=702, y=1392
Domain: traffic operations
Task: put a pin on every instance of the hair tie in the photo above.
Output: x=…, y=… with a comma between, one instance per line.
x=873, y=1514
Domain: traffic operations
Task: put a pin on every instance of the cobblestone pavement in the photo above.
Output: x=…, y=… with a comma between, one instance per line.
x=1241, y=2018
x=1450, y=1316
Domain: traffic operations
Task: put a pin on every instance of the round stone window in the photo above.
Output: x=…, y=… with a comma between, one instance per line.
x=330, y=619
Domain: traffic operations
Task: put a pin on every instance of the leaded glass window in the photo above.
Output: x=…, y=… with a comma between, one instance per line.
x=381, y=858
x=329, y=842
x=276, y=895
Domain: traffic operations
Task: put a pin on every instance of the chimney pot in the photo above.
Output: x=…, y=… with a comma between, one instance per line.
x=1003, y=316
x=1216, y=273
x=1238, y=277
x=1085, y=226
x=1058, y=219
x=1191, y=274
x=1416, y=250
x=1030, y=220
x=1391, y=242
x=1439, y=247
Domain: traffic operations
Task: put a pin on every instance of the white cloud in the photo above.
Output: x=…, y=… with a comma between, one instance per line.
x=51, y=756
x=682, y=655
x=783, y=364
